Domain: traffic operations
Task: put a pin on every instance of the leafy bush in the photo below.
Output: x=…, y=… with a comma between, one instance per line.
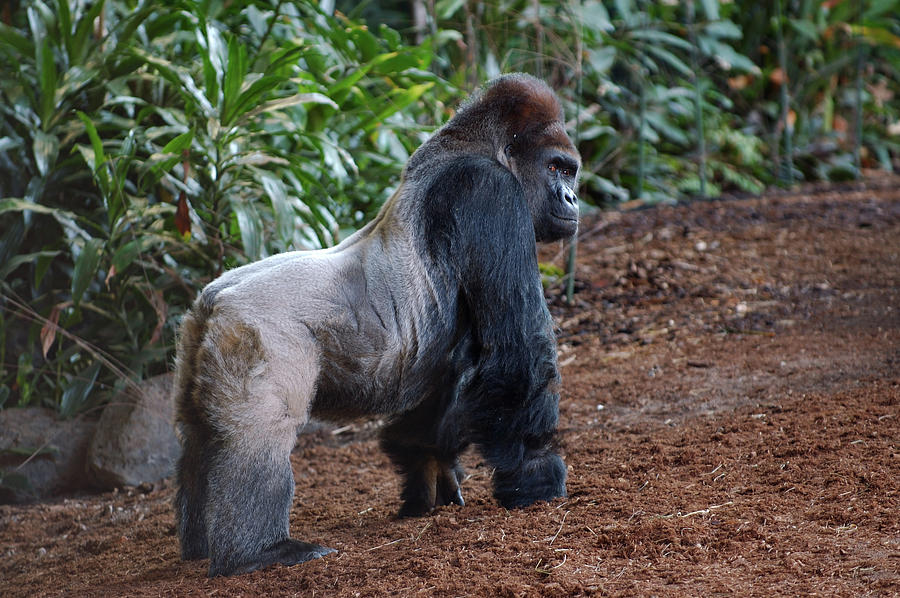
x=143, y=152
x=161, y=147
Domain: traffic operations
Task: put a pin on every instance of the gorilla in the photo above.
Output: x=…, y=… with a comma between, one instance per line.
x=432, y=316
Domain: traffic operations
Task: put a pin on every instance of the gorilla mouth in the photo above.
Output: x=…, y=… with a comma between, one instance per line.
x=564, y=218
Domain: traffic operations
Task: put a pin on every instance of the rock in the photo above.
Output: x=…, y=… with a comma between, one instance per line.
x=60, y=447
x=135, y=440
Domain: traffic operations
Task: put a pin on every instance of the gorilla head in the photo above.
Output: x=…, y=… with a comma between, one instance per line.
x=517, y=120
x=431, y=316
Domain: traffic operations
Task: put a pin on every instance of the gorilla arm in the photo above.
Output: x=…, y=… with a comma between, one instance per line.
x=477, y=220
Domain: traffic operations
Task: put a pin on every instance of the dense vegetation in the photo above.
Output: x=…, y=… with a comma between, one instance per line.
x=144, y=151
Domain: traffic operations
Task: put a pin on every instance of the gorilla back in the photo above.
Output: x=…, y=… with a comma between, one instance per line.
x=432, y=315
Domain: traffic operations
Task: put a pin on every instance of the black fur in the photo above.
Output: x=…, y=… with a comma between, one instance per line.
x=479, y=230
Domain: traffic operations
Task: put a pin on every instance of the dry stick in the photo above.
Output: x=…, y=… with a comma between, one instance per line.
x=385, y=544
x=427, y=525
x=705, y=511
x=553, y=539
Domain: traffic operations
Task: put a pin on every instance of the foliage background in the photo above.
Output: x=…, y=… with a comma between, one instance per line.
x=144, y=151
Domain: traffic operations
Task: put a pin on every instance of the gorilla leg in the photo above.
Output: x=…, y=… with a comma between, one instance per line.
x=239, y=417
x=424, y=445
x=190, y=500
x=248, y=508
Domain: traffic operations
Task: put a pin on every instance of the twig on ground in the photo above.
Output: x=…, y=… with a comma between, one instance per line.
x=553, y=539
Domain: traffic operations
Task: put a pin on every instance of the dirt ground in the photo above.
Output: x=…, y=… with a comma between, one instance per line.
x=730, y=417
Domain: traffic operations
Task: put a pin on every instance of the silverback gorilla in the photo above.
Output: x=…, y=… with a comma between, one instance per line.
x=432, y=314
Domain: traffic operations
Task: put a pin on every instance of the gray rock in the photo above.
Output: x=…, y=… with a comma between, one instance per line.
x=47, y=452
x=135, y=440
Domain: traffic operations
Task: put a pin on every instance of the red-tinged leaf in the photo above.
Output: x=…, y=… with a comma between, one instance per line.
x=183, y=217
x=109, y=275
x=48, y=330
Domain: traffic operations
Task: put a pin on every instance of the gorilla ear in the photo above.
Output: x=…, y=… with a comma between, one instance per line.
x=504, y=155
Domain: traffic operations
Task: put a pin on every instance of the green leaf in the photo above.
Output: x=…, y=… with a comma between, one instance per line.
x=24, y=258
x=250, y=225
x=127, y=253
x=711, y=8
x=398, y=102
x=447, y=8
x=805, y=28
x=669, y=58
x=395, y=62
x=661, y=37
x=43, y=264
x=625, y=9
x=284, y=58
x=180, y=78
x=300, y=98
x=86, y=267
x=47, y=70
x=728, y=58
x=65, y=24
x=99, y=155
x=595, y=16
x=251, y=96
x=11, y=37
x=235, y=71
x=277, y=193
x=178, y=144
x=82, y=40
x=390, y=36
x=602, y=58
x=46, y=148
x=15, y=204
x=722, y=30
x=366, y=44
x=75, y=396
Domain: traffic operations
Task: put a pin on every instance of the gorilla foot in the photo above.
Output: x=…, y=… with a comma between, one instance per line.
x=285, y=552
x=434, y=485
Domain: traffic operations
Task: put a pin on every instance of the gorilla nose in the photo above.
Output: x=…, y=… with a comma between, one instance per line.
x=569, y=196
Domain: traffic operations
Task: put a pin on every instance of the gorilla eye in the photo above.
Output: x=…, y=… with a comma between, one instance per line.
x=552, y=168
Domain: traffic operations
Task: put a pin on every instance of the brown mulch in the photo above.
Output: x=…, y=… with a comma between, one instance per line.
x=730, y=417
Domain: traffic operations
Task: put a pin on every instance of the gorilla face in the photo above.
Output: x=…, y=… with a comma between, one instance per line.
x=547, y=167
x=558, y=217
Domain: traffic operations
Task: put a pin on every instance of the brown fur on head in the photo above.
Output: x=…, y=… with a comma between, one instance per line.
x=508, y=109
x=523, y=103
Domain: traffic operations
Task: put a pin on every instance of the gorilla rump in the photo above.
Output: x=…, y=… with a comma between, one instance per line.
x=432, y=314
